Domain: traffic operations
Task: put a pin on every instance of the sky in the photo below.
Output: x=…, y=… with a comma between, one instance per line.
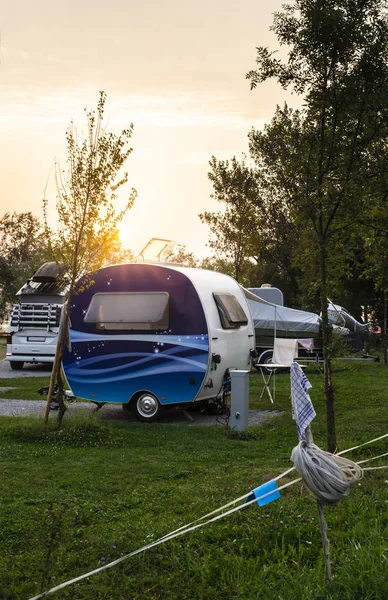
x=174, y=68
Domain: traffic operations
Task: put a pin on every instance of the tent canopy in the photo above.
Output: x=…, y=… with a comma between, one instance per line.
x=269, y=316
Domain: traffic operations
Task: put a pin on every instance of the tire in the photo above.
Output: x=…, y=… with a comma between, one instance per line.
x=146, y=407
x=16, y=365
x=265, y=358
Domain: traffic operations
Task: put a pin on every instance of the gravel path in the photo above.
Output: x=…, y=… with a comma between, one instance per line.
x=29, y=370
x=110, y=412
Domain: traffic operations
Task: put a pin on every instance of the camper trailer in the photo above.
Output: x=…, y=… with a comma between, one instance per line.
x=150, y=336
x=34, y=323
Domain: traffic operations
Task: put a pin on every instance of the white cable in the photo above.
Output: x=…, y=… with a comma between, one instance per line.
x=375, y=468
x=328, y=476
x=166, y=538
x=364, y=444
x=226, y=505
x=361, y=462
x=192, y=526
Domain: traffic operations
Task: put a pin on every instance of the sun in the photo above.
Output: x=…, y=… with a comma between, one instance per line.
x=125, y=235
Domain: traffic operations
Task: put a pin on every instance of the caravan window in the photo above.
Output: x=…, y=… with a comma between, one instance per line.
x=129, y=311
x=230, y=310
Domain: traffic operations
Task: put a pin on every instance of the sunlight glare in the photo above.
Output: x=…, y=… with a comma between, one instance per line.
x=125, y=236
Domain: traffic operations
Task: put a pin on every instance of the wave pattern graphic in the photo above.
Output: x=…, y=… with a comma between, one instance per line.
x=98, y=361
x=199, y=341
x=97, y=369
x=137, y=368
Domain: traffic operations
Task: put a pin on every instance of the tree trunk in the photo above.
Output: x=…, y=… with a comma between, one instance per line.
x=56, y=371
x=326, y=342
x=365, y=336
x=60, y=398
x=385, y=330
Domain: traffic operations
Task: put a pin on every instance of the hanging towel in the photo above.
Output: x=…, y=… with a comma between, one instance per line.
x=284, y=351
x=307, y=343
x=302, y=408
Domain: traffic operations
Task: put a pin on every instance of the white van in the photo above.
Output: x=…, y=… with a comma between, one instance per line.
x=34, y=323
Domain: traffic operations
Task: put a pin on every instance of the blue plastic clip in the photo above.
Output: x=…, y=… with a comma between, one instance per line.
x=262, y=490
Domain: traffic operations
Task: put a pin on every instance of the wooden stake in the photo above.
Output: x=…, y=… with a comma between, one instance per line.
x=57, y=360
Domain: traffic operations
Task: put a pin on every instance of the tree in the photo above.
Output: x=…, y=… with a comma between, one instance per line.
x=87, y=233
x=182, y=256
x=252, y=237
x=337, y=63
x=116, y=254
x=376, y=266
x=23, y=249
x=234, y=231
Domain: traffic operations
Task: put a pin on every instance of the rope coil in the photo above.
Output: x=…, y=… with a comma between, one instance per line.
x=327, y=475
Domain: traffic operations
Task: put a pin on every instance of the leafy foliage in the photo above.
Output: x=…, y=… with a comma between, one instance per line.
x=86, y=193
x=23, y=248
x=251, y=237
x=234, y=230
x=320, y=172
x=181, y=256
x=338, y=63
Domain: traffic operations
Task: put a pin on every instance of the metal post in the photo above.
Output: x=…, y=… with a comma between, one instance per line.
x=239, y=400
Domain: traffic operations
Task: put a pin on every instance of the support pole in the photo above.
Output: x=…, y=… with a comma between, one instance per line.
x=57, y=363
x=308, y=437
x=54, y=372
x=325, y=541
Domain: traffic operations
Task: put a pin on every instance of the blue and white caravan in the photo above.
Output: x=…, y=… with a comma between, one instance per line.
x=152, y=335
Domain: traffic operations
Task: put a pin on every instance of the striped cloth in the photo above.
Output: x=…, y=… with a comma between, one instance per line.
x=302, y=408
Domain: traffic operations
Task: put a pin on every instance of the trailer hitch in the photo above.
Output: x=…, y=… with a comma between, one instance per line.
x=43, y=391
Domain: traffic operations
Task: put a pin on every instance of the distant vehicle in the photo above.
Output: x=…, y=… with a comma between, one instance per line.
x=150, y=336
x=34, y=323
x=359, y=332
x=340, y=316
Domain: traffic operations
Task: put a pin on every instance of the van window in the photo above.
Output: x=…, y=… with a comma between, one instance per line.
x=231, y=312
x=129, y=311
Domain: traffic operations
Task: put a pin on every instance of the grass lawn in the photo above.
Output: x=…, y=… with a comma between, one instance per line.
x=24, y=388
x=75, y=499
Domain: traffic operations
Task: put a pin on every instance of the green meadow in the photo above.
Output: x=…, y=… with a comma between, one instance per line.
x=76, y=499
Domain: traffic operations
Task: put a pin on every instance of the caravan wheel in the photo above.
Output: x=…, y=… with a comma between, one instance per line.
x=147, y=407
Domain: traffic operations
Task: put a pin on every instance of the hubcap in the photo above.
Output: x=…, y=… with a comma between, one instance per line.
x=147, y=405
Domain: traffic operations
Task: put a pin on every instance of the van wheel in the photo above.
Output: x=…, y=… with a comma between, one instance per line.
x=16, y=365
x=146, y=407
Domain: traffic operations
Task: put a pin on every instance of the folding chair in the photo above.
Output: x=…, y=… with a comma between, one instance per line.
x=284, y=353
